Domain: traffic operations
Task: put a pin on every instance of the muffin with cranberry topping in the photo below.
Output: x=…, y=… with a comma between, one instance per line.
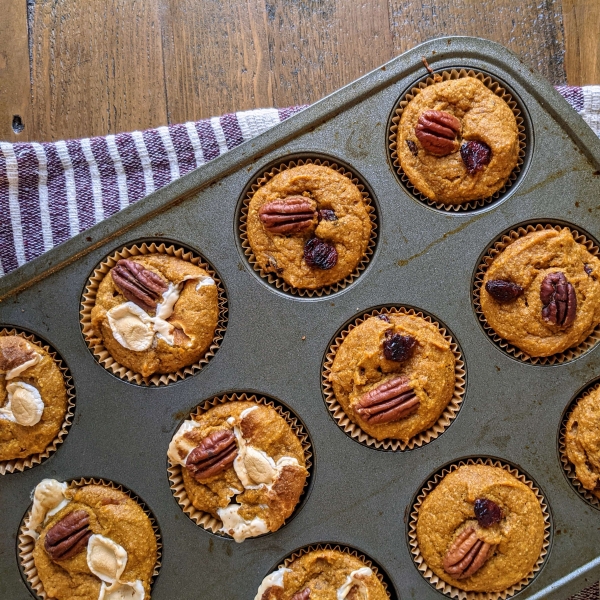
x=309, y=225
x=457, y=141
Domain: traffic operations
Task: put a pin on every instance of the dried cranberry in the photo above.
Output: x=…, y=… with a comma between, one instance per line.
x=326, y=214
x=503, y=291
x=384, y=318
x=412, y=147
x=475, y=155
x=487, y=513
x=320, y=254
x=398, y=347
x=587, y=269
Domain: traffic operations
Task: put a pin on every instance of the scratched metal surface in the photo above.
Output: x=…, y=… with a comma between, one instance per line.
x=424, y=258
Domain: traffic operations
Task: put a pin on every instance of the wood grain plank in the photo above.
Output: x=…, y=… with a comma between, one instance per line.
x=582, y=41
x=216, y=57
x=96, y=67
x=317, y=46
x=15, y=96
x=531, y=29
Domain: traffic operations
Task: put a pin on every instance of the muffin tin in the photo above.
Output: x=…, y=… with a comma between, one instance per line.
x=275, y=343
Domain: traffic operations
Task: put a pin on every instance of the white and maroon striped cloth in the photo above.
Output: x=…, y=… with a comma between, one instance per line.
x=53, y=191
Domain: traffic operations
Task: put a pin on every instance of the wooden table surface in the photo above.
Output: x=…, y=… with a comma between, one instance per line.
x=77, y=68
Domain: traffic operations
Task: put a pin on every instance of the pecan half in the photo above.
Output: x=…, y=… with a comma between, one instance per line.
x=487, y=512
x=303, y=595
x=503, y=291
x=139, y=285
x=437, y=131
x=69, y=536
x=466, y=555
x=398, y=348
x=559, y=299
x=14, y=352
x=290, y=215
x=214, y=454
x=475, y=155
x=390, y=401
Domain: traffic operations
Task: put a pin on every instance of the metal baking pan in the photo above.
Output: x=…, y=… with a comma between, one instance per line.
x=275, y=343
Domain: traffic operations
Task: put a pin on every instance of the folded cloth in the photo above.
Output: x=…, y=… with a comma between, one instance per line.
x=50, y=192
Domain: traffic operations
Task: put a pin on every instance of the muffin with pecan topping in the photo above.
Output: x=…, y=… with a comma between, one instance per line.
x=91, y=542
x=582, y=441
x=323, y=573
x=155, y=313
x=393, y=375
x=481, y=529
x=33, y=398
x=542, y=292
x=242, y=463
x=457, y=141
x=309, y=225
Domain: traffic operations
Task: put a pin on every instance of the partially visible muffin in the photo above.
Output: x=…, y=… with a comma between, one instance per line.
x=457, y=141
x=481, y=529
x=394, y=375
x=155, y=313
x=309, y=225
x=91, y=542
x=582, y=441
x=542, y=292
x=323, y=575
x=33, y=398
x=243, y=464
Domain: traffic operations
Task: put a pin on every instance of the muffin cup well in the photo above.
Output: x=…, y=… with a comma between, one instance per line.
x=26, y=543
x=340, y=548
x=494, y=86
x=175, y=472
x=20, y=464
x=272, y=278
x=431, y=577
x=422, y=438
x=568, y=467
x=492, y=252
x=88, y=301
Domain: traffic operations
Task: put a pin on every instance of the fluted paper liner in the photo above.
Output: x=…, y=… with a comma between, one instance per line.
x=568, y=467
x=20, y=464
x=337, y=547
x=424, y=437
x=206, y=520
x=272, y=278
x=493, y=251
x=497, y=89
x=88, y=301
x=446, y=588
x=27, y=543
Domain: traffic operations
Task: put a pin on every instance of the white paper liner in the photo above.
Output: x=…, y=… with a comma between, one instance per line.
x=568, y=467
x=206, y=520
x=27, y=543
x=88, y=301
x=340, y=548
x=422, y=438
x=497, y=89
x=446, y=588
x=20, y=464
x=272, y=278
x=494, y=250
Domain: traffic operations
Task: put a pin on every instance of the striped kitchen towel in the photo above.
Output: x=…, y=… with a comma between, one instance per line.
x=50, y=192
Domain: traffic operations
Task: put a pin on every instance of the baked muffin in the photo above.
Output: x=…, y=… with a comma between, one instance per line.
x=394, y=375
x=323, y=575
x=91, y=542
x=457, y=141
x=155, y=313
x=542, y=293
x=309, y=225
x=33, y=398
x=242, y=450
x=481, y=529
x=582, y=441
